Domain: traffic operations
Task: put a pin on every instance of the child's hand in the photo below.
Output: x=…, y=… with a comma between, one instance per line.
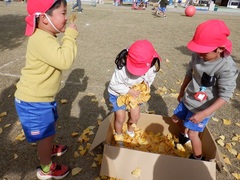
x=198, y=117
x=73, y=25
x=179, y=98
x=134, y=93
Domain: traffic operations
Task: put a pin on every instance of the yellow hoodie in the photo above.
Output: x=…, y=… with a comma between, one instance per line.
x=45, y=59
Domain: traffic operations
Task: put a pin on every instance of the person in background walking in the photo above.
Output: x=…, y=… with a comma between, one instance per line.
x=79, y=5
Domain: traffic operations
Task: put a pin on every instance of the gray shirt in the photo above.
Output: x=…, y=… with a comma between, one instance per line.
x=224, y=71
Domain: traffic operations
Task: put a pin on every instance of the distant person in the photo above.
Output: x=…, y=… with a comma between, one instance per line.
x=79, y=5
x=209, y=82
x=7, y=2
x=41, y=79
x=162, y=8
x=136, y=64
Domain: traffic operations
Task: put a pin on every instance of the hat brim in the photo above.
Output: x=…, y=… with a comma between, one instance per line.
x=206, y=49
x=131, y=67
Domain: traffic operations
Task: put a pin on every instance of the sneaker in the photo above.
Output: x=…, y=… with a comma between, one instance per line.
x=183, y=139
x=131, y=134
x=59, y=150
x=193, y=157
x=164, y=16
x=56, y=172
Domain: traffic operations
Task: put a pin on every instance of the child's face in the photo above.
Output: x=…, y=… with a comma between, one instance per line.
x=59, y=19
x=211, y=56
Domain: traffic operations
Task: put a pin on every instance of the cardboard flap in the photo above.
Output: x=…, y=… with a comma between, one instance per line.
x=210, y=147
x=120, y=162
x=102, y=132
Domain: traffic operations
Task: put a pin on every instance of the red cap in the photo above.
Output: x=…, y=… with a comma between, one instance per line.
x=35, y=8
x=209, y=36
x=140, y=56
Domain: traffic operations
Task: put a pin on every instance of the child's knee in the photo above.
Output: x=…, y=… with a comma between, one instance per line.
x=119, y=121
x=193, y=134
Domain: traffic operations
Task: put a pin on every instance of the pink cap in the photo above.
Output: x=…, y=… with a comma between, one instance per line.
x=140, y=56
x=209, y=36
x=35, y=8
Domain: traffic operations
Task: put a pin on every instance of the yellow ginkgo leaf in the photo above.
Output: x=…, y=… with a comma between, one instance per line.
x=226, y=121
x=20, y=137
x=238, y=124
x=7, y=125
x=221, y=142
x=74, y=134
x=238, y=156
x=236, y=175
x=15, y=156
x=76, y=171
x=222, y=137
x=136, y=172
x=82, y=152
x=227, y=161
x=63, y=101
x=94, y=165
x=215, y=119
x=3, y=114
x=76, y=154
x=73, y=18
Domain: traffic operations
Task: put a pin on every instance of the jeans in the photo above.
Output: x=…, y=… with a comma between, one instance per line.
x=78, y=4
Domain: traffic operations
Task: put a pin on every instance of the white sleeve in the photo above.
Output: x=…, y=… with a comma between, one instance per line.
x=117, y=85
x=150, y=76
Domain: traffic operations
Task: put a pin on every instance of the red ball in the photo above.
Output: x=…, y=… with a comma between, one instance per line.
x=190, y=11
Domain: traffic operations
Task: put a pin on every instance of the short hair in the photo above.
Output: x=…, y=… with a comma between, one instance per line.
x=56, y=5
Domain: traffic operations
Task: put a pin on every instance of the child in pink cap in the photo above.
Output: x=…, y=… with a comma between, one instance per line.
x=209, y=82
x=41, y=79
x=139, y=63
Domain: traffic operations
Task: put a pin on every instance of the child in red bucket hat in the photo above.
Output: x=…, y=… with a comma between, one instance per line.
x=41, y=79
x=139, y=63
x=209, y=82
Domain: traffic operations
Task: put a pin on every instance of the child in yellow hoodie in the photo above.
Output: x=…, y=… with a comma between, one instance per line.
x=41, y=78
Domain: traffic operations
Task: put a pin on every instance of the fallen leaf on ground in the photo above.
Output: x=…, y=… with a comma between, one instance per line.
x=215, y=119
x=221, y=142
x=3, y=114
x=94, y=165
x=7, y=125
x=15, y=156
x=74, y=134
x=236, y=175
x=226, y=160
x=226, y=121
x=63, y=101
x=76, y=171
x=76, y=154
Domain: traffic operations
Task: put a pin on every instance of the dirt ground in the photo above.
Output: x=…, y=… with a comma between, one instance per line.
x=104, y=31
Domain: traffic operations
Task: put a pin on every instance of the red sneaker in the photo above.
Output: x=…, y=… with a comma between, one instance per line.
x=59, y=150
x=56, y=172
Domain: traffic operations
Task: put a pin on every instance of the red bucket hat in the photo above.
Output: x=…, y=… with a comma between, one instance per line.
x=35, y=8
x=140, y=56
x=209, y=36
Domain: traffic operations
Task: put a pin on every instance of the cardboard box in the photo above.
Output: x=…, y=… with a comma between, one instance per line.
x=120, y=162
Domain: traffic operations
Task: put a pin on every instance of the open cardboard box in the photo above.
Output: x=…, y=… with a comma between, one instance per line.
x=120, y=162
